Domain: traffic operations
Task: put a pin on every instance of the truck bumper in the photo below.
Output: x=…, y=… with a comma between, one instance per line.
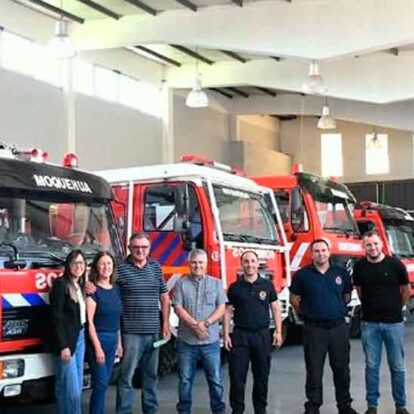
x=29, y=375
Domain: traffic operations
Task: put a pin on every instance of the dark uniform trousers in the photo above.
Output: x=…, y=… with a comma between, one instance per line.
x=255, y=347
x=320, y=339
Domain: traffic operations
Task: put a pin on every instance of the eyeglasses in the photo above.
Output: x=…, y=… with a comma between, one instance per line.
x=139, y=247
x=78, y=263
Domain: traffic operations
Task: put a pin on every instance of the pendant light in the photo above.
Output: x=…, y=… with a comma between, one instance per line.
x=373, y=141
x=61, y=45
x=326, y=121
x=197, y=98
x=314, y=83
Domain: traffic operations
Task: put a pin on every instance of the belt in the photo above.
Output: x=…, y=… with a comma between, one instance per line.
x=242, y=328
x=326, y=323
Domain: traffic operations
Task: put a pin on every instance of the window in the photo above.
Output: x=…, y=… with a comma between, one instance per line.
x=159, y=208
x=331, y=155
x=106, y=84
x=18, y=53
x=376, y=155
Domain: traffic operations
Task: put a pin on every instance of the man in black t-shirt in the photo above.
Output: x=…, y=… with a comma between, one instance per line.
x=382, y=285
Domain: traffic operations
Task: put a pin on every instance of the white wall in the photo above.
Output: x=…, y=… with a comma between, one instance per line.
x=108, y=135
x=306, y=148
x=201, y=131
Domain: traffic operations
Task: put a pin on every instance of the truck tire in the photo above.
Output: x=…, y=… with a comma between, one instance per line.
x=168, y=361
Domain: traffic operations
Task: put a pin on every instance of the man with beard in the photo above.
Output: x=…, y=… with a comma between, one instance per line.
x=319, y=293
x=382, y=285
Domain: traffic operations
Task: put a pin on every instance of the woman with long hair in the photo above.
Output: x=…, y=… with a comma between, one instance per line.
x=103, y=314
x=68, y=310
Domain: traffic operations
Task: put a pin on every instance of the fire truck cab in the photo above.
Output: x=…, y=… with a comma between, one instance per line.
x=45, y=211
x=201, y=204
x=313, y=207
x=395, y=227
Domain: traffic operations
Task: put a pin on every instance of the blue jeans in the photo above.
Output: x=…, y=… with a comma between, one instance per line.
x=69, y=380
x=188, y=355
x=138, y=350
x=373, y=335
x=101, y=373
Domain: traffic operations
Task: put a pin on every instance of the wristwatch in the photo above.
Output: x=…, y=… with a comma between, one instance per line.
x=207, y=323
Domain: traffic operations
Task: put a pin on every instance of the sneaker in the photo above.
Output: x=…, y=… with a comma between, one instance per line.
x=371, y=410
x=347, y=410
x=401, y=410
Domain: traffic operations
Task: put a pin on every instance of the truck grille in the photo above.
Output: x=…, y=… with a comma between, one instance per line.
x=24, y=323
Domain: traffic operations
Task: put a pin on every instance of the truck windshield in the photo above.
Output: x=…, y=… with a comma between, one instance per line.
x=335, y=216
x=400, y=236
x=244, y=216
x=46, y=231
x=333, y=203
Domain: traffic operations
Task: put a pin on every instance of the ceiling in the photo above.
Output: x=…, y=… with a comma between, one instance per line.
x=365, y=48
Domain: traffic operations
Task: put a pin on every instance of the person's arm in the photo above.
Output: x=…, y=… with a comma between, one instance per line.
x=165, y=303
x=90, y=314
x=277, y=317
x=228, y=314
x=405, y=294
x=198, y=327
x=347, y=287
x=119, y=348
x=165, y=311
x=57, y=299
x=295, y=301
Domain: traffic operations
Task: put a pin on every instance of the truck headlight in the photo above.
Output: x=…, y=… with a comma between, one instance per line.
x=11, y=368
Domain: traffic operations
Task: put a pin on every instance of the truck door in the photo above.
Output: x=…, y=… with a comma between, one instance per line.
x=170, y=246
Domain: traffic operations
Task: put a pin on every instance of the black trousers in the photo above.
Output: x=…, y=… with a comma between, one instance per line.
x=318, y=341
x=255, y=348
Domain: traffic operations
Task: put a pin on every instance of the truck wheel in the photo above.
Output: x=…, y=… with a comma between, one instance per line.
x=168, y=361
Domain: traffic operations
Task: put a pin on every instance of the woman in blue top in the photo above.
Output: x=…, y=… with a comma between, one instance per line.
x=103, y=310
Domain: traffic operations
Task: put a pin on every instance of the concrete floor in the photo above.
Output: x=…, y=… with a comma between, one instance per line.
x=286, y=394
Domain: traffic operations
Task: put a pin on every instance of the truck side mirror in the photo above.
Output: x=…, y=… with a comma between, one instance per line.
x=297, y=202
x=181, y=224
x=181, y=199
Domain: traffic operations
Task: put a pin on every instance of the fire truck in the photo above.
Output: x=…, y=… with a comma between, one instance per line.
x=198, y=203
x=45, y=211
x=313, y=207
x=395, y=227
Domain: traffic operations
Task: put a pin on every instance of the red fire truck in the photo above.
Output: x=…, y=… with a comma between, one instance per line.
x=395, y=226
x=200, y=203
x=45, y=211
x=314, y=207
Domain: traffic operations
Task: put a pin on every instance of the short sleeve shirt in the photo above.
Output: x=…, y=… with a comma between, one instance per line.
x=380, y=289
x=200, y=297
x=251, y=303
x=108, y=309
x=322, y=294
x=141, y=289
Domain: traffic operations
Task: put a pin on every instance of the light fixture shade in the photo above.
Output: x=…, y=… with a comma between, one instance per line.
x=197, y=98
x=314, y=83
x=326, y=121
x=61, y=44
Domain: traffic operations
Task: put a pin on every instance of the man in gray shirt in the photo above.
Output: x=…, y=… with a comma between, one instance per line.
x=199, y=301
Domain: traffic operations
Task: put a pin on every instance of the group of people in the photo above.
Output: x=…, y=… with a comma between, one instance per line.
x=320, y=293
x=136, y=293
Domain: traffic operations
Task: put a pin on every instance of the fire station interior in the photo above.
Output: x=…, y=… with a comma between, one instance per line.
x=269, y=87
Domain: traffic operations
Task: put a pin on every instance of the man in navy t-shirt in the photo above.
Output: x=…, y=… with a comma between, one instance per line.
x=319, y=293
